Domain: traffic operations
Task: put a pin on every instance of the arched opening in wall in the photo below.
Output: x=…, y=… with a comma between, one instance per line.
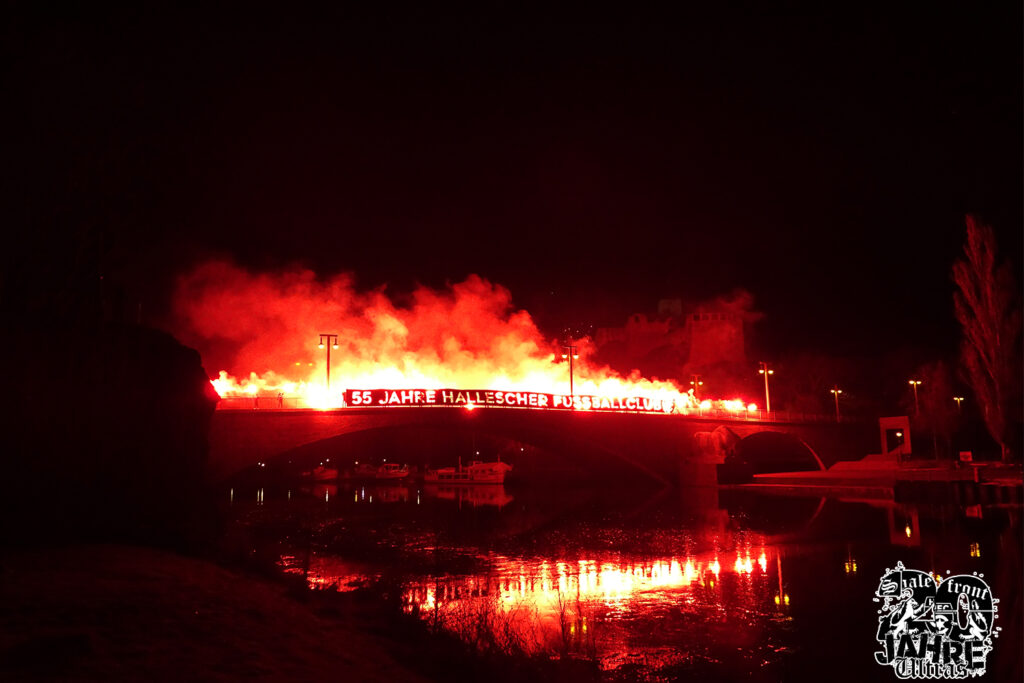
x=766, y=452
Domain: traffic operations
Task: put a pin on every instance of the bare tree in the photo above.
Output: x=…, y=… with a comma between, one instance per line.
x=988, y=309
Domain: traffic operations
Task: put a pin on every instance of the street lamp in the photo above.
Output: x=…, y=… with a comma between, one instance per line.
x=696, y=382
x=916, y=383
x=959, y=400
x=571, y=355
x=835, y=392
x=767, y=397
x=328, y=341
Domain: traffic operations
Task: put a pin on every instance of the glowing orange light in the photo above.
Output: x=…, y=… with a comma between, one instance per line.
x=465, y=337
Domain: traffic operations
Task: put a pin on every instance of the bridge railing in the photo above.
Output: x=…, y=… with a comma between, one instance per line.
x=262, y=403
x=271, y=403
x=792, y=416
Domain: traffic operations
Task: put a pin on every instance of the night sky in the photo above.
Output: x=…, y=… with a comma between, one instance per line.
x=591, y=162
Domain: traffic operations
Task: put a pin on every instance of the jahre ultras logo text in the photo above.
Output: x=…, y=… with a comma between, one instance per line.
x=933, y=627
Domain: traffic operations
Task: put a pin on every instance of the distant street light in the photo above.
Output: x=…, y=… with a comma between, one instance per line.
x=959, y=400
x=328, y=341
x=571, y=355
x=916, y=383
x=767, y=397
x=835, y=392
x=696, y=382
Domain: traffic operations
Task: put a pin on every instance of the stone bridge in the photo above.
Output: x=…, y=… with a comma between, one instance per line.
x=665, y=447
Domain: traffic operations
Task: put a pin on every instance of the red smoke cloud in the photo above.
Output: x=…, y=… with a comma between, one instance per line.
x=262, y=330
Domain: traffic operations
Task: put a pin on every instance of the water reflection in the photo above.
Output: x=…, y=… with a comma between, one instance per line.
x=751, y=586
x=472, y=495
x=545, y=584
x=322, y=492
x=330, y=573
x=592, y=607
x=588, y=606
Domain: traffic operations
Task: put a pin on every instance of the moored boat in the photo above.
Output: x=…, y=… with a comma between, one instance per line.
x=390, y=470
x=475, y=473
x=321, y=473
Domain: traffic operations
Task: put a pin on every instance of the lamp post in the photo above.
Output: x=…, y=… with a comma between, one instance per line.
x=915, y=383
x=765, y=370
x=328, y=341
x=696, y=382
x=571, y=355
x=835, y=392
x=959, y=400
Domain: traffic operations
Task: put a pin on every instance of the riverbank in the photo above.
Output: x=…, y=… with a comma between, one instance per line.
x=107, y=612
x=910, y=482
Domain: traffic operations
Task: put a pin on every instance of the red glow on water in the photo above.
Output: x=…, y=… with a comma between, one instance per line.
x=547, y=606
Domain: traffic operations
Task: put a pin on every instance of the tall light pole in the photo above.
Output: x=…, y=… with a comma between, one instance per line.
x=916, y=383
x=696, y=382
x=959, y=400
x=835, y=392
x=765, y=370
x=571, y=354
x=328, y=341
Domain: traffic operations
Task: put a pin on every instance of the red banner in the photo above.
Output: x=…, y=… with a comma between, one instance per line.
x=474, y=398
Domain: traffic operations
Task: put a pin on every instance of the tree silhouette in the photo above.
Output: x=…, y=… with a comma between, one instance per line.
x=988, y=310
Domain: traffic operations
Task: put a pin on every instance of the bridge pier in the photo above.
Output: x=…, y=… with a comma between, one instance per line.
x=698, y=475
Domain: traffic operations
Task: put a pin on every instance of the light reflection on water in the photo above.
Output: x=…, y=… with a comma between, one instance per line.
x=326, y=572
x=475, y=496
x=753, y=586
x=585, y=606
x=545, y=583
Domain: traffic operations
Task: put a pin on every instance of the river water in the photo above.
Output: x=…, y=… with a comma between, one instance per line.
x=646, y=584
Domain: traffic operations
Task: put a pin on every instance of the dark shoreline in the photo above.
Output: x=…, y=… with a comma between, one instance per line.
x=118, y=612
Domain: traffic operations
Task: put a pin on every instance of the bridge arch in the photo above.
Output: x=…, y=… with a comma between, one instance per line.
x=664, y=447
x=773, y=451
x=447, y=442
